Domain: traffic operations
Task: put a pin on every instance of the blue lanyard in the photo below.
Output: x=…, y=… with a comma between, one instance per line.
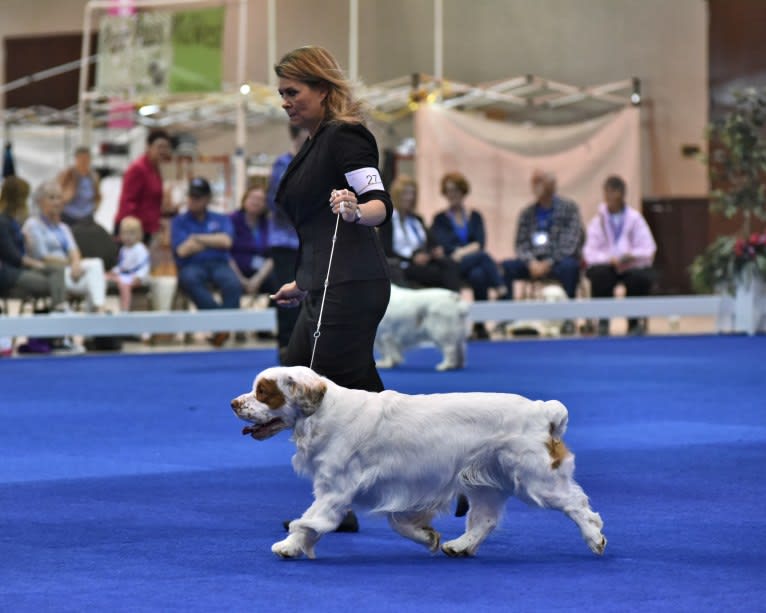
x=617, y=222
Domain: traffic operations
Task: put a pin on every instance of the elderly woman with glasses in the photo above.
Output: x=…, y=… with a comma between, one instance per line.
x=49, y=239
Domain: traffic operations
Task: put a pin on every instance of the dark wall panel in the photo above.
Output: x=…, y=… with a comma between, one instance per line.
x=26, y=55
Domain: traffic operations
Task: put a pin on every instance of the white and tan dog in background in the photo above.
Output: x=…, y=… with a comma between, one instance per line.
x=408, y=457
x=417, y=316
x=552, y=292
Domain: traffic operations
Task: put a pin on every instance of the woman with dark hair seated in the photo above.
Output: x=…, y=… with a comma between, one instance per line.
x=461, y=233
x=415, y=258
x=250, y=256
x=19, y=270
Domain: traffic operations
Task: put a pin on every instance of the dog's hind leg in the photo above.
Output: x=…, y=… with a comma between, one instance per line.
x=564, y=494
x=452, y=359
x=323, y=516
x=416, y=527
x=486, y=508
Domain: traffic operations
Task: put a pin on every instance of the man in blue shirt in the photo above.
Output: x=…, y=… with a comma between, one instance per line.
x=201, y=241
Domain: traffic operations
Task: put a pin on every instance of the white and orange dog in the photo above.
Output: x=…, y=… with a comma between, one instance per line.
x=408, y=457
x=429, y=315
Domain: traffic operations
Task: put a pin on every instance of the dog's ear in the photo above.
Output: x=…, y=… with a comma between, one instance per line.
x=267, y=392
x=306, y=396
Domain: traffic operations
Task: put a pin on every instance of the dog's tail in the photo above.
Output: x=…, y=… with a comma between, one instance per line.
x=561, y=458
x=557, y=418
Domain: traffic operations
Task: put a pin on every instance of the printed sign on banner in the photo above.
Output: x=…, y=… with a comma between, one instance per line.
x=115, y=46
x=159, y=53
x=135, y=54
x=153, y=53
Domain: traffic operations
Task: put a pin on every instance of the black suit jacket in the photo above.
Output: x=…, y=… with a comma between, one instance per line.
x=304, y=195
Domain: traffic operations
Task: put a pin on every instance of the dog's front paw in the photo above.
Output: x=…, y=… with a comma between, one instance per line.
x=385, y=363
x=292, y=547
x=442, y=366
x=455, y=549
x=434, y=539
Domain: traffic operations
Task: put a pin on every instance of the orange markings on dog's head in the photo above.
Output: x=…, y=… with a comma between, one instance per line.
x=268, y=393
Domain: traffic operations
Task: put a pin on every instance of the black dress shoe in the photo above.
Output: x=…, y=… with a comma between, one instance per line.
x=349, y=523
x=462, y=506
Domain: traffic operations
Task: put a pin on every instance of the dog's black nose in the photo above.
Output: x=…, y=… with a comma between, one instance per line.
x=235, y=403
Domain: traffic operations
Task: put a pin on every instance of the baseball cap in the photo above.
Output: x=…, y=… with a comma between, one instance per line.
x=199, y=187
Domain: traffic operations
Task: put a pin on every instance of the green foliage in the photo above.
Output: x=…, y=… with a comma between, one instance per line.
x=737, y=164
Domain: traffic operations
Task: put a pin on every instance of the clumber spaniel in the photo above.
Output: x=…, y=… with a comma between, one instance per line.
x=552, y=327
x=422, y=315
x=408, y=457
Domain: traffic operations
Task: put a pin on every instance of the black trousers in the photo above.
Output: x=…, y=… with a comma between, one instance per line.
x=604, y=278
x=344, y=352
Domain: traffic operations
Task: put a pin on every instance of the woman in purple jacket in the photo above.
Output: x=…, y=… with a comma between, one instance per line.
x=619, y=248
x=250, y=255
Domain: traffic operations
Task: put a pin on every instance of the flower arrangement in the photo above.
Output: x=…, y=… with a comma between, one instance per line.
x=737, y=165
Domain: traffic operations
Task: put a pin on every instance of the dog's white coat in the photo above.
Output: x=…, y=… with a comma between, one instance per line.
x=418, y=316
x=542, y=327
x=409, y=456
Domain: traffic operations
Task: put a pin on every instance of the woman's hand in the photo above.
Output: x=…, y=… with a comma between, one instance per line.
x=420, y=258
x=289, y=295
x=343, y=201
x=75, y=270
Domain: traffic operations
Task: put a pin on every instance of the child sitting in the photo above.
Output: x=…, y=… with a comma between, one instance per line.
x=133, y=264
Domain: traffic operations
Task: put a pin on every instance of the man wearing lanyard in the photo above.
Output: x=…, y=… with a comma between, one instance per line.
x=549, y=237
x=619, y=248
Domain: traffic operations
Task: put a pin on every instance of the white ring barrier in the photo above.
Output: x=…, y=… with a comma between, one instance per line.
x=265, y=319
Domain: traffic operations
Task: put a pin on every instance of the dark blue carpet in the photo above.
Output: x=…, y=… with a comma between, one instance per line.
x=126, y=486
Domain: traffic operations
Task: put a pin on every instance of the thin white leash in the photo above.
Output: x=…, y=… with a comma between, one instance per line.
x=318, y=332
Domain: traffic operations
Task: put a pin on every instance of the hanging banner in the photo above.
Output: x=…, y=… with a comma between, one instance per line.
x=135, y=55
x=156, y=53
x=197, y=51
x=498, y=159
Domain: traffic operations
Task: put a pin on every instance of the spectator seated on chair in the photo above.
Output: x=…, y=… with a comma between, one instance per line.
x=250, y=255
x=619, y=248
x=201, y=241
x=133, y=263
x=460, y=233
x=80, y=189
x=415, y=258
x=49, y=239
x=21, y=275
x=549, y=237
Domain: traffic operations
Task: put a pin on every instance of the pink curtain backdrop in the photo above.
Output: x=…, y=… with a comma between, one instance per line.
x=498, y=159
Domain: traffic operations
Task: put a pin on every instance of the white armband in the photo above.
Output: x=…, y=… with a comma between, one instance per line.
x=364, y=180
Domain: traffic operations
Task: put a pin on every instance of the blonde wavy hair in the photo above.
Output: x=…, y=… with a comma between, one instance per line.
x=317, y=67
x=401, y=183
